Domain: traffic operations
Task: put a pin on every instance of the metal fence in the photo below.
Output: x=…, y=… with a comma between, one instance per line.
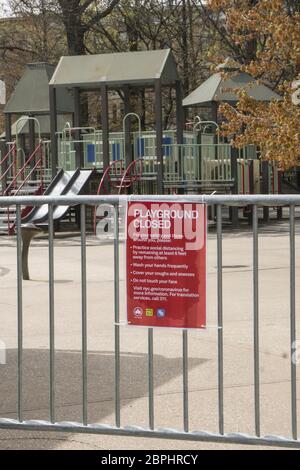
x=223, y=435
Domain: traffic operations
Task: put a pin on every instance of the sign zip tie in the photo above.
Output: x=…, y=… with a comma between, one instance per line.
x=217, y=327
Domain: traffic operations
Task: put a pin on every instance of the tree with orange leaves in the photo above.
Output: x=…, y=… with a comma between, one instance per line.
x=268, y=31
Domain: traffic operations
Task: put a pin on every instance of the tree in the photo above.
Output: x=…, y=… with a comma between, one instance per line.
x=79, y=17
x=30, y=33
x=274, y=27
x=157, y=24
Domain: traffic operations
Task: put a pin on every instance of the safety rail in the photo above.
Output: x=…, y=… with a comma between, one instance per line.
x=38, y=164
x=223, y=435
x=143, y=145
x=21, y=171
x=129, y=176
x=7, y=155
x=11, y=168
x=115, y=170
x=196, y=162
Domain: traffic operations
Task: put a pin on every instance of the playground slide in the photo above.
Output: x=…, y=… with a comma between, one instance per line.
x=65, y=183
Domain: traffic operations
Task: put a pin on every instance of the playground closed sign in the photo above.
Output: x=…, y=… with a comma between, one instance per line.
x=166, y=264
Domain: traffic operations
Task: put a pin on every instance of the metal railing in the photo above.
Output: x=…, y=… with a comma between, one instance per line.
x=223, y=434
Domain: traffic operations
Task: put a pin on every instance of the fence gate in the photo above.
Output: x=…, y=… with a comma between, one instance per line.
x=214, y=397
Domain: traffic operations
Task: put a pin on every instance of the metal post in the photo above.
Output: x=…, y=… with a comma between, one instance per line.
x=77, y=122
x=117, y=316
x=150, y=378
x=234, y=176
x=293, y=324
x=256, y=323
x=53, y=130
x=31, y=136
x=3, y=167
x=105, y=126
x=251, y=189
x=20, y=314
x=127, y=134
x=265, y=186
x=84, y=315
x=8, y=138
x=220, y=320
x=159, y=137
x=214, y=111
x=51, y=314
x=28, y=232
x=31, y=125
x=179, y=112
x=179, y=125
x=185, y=380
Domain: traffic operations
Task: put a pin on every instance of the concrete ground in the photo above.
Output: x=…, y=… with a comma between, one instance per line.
x=238, y=346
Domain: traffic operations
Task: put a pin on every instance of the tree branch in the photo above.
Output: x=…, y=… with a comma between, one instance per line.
x=101, y=14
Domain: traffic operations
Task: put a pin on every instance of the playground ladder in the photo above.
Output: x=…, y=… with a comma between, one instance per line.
x=24, y=181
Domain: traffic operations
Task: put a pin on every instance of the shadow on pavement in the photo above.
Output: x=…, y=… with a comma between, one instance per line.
x=68, y=383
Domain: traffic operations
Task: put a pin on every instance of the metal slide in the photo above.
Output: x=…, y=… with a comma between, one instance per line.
x=65, y=183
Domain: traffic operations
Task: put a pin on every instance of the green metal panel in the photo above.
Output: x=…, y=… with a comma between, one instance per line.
x=117, y=69
x=31, y=95
x=218, y=89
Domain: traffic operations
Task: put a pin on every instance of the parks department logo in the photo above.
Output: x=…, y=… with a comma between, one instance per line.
x=160, y=313
x=138, y=312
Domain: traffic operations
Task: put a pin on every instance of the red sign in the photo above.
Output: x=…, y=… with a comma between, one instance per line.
x=166, y=264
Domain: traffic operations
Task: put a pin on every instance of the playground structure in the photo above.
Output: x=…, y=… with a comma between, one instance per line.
x=171, y=161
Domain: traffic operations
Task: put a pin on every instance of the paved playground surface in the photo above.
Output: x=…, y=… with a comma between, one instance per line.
x=238, y=346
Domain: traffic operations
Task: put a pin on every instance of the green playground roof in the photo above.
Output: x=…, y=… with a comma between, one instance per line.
x=219, y=89
x=31, y=95
x=140, y=68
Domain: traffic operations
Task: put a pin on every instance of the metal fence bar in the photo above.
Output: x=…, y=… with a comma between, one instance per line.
x=150, y=378
x=293, y=323
x=256, y=323
x=185, y=380
x=220, y=320
x=161, y=433
x=51, y=315
x=117, y=316
x=226, y=200
x=20, y=313
x=84, y=314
